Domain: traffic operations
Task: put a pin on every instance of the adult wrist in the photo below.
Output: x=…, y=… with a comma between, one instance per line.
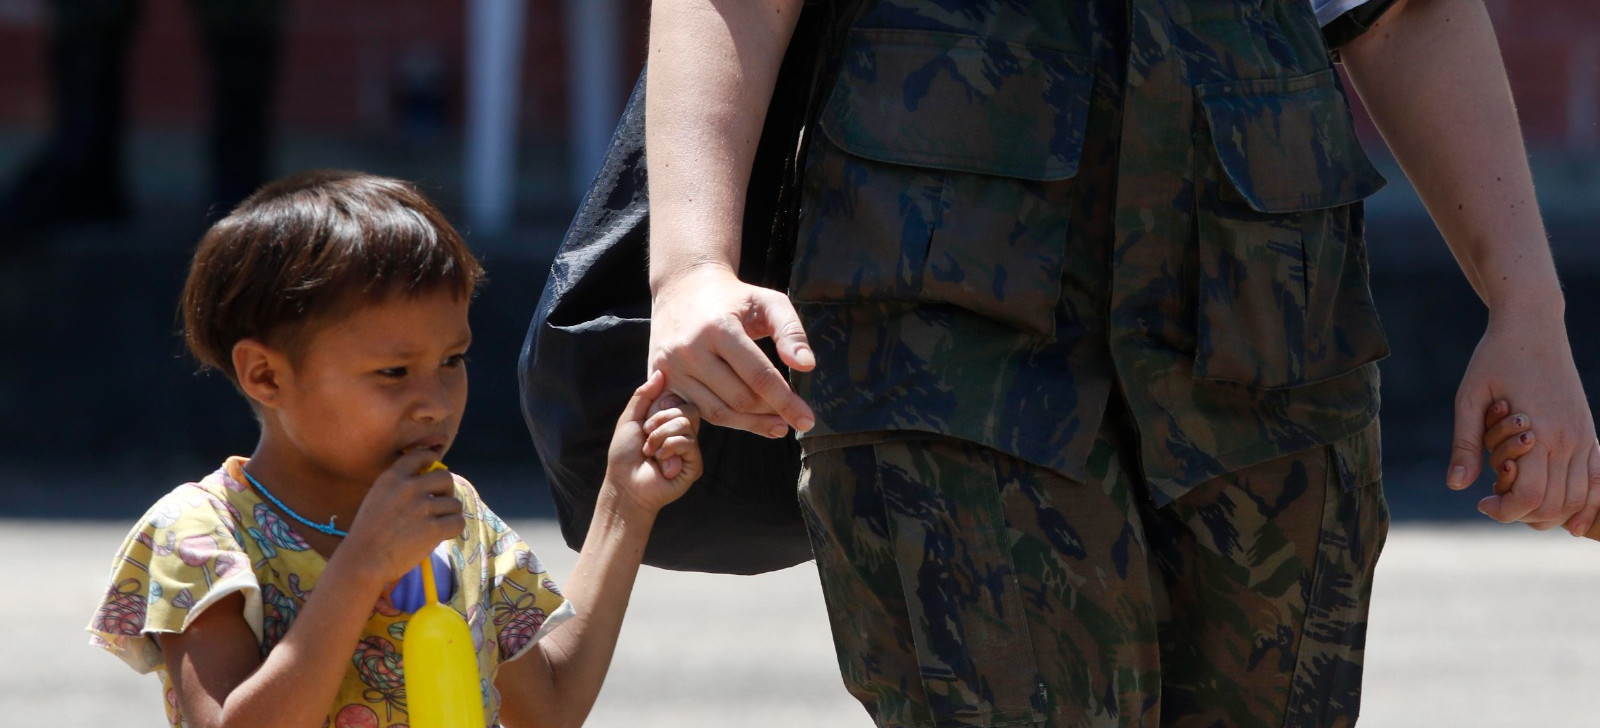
x=1545, y=303
x=671, y=275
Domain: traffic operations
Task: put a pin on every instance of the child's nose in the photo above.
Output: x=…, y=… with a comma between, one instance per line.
x=433, y=400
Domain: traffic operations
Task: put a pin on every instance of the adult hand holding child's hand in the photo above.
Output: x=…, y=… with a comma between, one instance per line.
x=1527, y=361
x=704, y=325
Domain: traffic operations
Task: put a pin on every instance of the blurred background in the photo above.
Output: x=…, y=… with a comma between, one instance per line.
x=126, y=126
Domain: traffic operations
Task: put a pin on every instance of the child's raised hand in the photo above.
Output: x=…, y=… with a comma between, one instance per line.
x=1507, y=438
x=405, y=515
x=670, y=437
x=655, y=452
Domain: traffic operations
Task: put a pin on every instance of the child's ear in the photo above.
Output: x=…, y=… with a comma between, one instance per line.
x=261, y=370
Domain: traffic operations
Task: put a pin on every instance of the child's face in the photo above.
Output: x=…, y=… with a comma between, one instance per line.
x=388, y=378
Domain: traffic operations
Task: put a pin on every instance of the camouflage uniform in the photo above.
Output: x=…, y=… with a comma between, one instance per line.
x=1087, y=287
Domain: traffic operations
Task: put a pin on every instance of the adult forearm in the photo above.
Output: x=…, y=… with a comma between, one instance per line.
x=713, y=64
x=1431, y=74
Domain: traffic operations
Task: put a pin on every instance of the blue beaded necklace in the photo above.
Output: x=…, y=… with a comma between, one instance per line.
x=328, y=529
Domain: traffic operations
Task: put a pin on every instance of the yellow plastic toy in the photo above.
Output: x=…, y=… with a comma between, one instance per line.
x=441, y=668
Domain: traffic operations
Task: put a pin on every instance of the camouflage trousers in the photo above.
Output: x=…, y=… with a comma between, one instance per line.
x=966, y=587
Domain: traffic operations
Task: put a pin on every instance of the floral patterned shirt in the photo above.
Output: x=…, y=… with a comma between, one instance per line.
x=207, y=540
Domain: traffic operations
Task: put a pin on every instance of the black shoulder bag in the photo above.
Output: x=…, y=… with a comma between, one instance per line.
x=587, y=345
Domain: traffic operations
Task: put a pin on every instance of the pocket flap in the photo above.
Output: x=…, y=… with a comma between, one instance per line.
x=1288, y=145
x=958, y=103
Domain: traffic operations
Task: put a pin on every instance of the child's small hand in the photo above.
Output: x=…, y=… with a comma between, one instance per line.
x=655, y=454
x=670, y=438
x=405, y=515
x=1507, y=438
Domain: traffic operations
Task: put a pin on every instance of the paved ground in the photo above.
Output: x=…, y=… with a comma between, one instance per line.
x=1475, y=626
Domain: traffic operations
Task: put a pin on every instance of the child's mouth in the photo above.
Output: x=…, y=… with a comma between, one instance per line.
x=436, y=448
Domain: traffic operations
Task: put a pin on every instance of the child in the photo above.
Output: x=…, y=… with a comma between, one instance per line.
x=337, y=304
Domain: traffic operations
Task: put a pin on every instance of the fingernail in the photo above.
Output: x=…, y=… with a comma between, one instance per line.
x=779, y=431
x=1457, y=476
x=1520, y=421
x=805, y=424
x=1525, y=438
x=1507, y=466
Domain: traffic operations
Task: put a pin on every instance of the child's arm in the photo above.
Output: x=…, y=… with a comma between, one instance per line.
x=220, y=678
x=217, y=671
x=556, y=682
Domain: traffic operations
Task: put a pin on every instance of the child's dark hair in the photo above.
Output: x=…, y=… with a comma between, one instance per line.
x=312, y=246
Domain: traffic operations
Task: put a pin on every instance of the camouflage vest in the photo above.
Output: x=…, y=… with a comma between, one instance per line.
x=1018, y=212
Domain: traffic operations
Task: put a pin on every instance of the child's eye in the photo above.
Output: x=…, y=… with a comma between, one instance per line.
x=393, y=372
x=459, y=360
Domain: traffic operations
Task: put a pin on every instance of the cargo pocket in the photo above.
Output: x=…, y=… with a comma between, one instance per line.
x=1355, y=524
x=936, y=176
x=1283, y=287
x=952, y=547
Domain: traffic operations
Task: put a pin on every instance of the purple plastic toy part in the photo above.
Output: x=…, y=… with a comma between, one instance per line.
x=407, y=593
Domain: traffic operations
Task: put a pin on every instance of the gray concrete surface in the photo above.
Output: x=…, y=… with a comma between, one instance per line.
x=1474, y=625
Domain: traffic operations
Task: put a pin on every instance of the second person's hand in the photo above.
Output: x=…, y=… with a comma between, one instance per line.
x=703, y=333
x=1526, y=360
